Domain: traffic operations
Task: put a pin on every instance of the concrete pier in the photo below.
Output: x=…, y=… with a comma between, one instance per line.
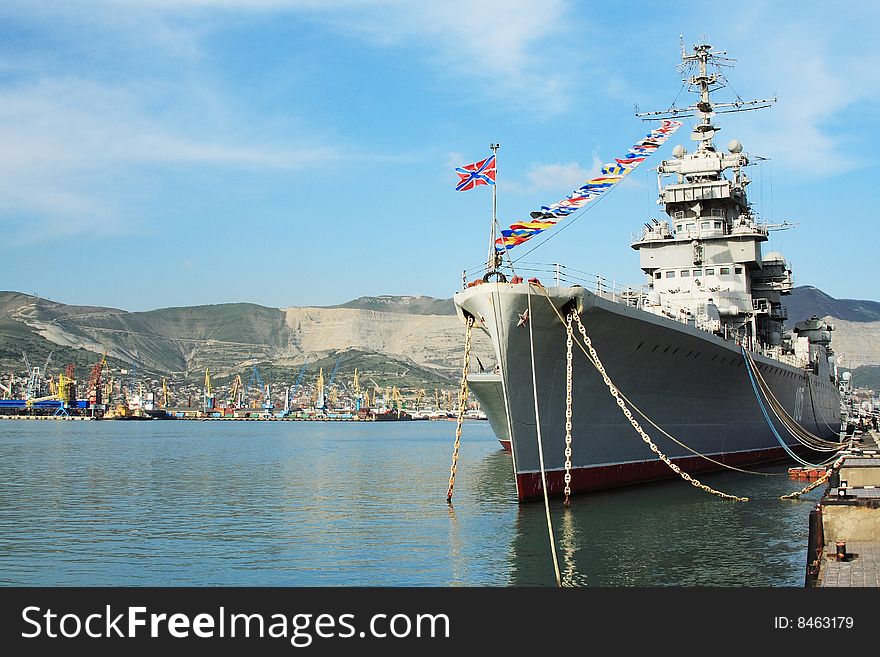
x=844, y=543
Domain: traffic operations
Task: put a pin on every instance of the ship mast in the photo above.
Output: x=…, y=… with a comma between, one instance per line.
x=703, y=131
x=492, y=260
x=704, y=82
x=706, y=262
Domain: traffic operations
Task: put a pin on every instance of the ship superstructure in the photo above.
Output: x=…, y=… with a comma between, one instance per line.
x=704, y=261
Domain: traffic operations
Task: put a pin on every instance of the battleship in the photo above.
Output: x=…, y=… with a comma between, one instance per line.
x=696, y=364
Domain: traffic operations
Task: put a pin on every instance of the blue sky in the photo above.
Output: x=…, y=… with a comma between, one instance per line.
x=177, y=152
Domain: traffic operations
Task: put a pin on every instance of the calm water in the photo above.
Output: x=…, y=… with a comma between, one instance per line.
x=343, y=504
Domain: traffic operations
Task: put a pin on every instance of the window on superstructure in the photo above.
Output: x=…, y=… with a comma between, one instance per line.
x=684, y=273
x=698, y=272
x=725, y=270
x=710, y=271
x=678, y=228
x=691, y=226
x=738, y=270
x=657, y=274
x=705, y=225
x=717, y=224
x=670, y=274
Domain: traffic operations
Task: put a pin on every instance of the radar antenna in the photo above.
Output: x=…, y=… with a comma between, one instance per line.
x=702, y=71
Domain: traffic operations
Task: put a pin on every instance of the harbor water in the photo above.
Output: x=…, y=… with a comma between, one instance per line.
x=358, y=504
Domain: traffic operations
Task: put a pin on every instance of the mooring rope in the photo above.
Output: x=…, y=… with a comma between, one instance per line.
x=635, y=424
x=821, y=480
x=640, y=412
x=540, y=445
x=654, y=424
x=462, y=400
x=813, y=406
x=816, y=443
x=592, y=357
x=751, y=372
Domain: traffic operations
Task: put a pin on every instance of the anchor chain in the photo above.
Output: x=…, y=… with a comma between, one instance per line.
x=635, y=424
x=462, y=399
x=568, y=344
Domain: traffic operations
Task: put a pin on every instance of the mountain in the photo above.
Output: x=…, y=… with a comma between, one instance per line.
x=806, y=301
x=395, y=340
x=419, y=339
x=405, y=305
x=856, y=336
x=867, y=376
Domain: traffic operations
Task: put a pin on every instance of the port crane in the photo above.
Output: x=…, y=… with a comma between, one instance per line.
x=332, y=392
x=66, y=389
x=209, y=392
x=237, y=392
x=34, y=386
x=296, y=384
x=320, y=402
x=256, y=381
x=333, y=373
x=356, y=391
x=7, y=390
x=95, y=390
x=132, y=376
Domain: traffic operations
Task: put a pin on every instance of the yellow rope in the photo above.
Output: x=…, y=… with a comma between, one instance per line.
x=659, y=428
x=541, y=446
x=593, y=358
x=462, y=401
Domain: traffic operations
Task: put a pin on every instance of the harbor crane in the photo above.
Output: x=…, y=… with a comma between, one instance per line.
x=7, y=390
x=34, y=386
x=333, y=373
x=209, y=392
x=256, y=381
x=332, y=388
x=95, y=389
x=320, y=402
x=356, y=391
x=237, y=392
x=297, y=382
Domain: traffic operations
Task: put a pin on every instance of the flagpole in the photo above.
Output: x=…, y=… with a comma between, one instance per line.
x=490, y=263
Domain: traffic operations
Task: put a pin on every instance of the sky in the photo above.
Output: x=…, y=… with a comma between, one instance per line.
x=159, y=153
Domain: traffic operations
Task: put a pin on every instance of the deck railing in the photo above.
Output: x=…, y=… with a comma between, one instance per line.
x=558, y=274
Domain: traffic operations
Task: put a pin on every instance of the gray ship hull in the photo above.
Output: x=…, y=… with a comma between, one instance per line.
x=691, y=383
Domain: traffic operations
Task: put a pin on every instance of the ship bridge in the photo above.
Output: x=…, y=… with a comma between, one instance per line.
x=704, y=260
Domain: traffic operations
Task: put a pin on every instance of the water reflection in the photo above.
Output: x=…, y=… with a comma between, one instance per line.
x=667, y=534
x=183, y=503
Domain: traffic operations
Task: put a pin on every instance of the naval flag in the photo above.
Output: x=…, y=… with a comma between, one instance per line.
x=478, y=173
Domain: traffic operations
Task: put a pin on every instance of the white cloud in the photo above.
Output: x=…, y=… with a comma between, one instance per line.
x=820, y=65
x=554, y=176
x=502, y=44
x=66, y=144
x=561, y=176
